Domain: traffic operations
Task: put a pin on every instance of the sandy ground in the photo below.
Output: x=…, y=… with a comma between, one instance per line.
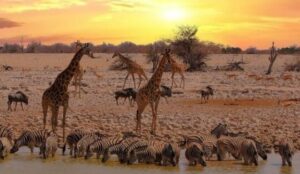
x=246, y=101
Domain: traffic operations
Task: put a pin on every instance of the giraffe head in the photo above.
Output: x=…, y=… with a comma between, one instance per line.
x=116, y=54
x=86, y=49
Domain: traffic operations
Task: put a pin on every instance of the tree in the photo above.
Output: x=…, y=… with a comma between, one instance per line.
x=251, y=50
x=272, y=58
x=187, y=46
x=153, y=53
x=33, y=47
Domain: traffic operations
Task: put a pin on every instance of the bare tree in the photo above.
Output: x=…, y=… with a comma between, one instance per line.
x=272, y=58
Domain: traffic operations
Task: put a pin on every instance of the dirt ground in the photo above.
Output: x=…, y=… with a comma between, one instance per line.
x=246, y=101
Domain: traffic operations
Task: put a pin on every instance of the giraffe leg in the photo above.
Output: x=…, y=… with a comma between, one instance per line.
x=140, y=110
x=75, y=84
x=140, y=77
x=182, y=80
x=54, y=117
x=153, y=126
x=79, y=86
x=125, y=80
x=133, y=78
x=45, y=110
x=65, y=108
x=154, y=119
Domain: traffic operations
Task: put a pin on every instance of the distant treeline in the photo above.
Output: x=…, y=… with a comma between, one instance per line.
x=130, y=47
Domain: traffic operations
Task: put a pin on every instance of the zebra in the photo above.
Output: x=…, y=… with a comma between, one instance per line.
x=72, y=140
x=31, y=139
x=208, y=141
x=5, y=147
x=128, y=153
x=119, y=149
x=147, y=156
x=249, y=152
x=194, y=154
x=49, y=146
x=101, y=145
x=205, y=93
x=229, y=144
x=19, y=96
x=7, y=132
x=260, y=147
x=286, y=151
x=81, y=145
x=164, y=152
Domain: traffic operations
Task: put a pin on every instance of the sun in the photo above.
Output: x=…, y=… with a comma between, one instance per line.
x=173, y=14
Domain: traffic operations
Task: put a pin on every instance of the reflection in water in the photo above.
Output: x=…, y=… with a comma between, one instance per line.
x=26, y=163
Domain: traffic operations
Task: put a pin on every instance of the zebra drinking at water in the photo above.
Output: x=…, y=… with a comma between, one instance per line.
x=32, y=138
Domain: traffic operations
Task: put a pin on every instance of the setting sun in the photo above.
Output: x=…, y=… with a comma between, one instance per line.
x=174, y=14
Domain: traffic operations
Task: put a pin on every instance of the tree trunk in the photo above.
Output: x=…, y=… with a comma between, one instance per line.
x=272, y=58
x=270, y=68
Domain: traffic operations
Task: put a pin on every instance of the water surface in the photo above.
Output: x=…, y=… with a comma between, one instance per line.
x=25, y=163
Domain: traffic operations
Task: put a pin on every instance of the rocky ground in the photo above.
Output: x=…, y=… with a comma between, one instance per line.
x=246, y=101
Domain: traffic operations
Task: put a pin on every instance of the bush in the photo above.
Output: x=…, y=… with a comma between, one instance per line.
x=295, y=66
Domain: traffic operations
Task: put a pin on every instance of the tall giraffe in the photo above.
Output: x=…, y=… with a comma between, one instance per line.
x=177, y=68
x=150, y=93
x=132, y=68
x=57, y=94
x=78, y=72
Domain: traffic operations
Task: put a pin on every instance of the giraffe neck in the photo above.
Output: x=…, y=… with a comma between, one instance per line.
x=156, y=77
x=64, y=78
x=124, y=59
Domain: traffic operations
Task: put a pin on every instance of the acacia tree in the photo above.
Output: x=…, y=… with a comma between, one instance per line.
x=187, y=46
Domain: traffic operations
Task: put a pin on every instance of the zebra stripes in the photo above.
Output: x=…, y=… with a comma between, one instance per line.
x=194, y=154
x=249, y=152
x=7, y=132
x=31, y=139
x=119, y=149
x=101, y=145
x=286, y=151
x=231, y=145
x=49, y=146
x=84, y=142
x=5, y=147
x=72, y=139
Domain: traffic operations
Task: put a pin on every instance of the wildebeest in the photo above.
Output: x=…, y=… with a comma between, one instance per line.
x=19, y=96
x=165, y=92
x=205, y=93
x=129, y=93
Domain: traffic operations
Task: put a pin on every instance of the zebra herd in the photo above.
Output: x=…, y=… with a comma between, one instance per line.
x=131, y=148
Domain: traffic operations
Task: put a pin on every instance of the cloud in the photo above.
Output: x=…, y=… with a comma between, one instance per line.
x=6, y=23
x=17, y=6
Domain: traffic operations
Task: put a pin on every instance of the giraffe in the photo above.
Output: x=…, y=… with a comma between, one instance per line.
x=150, y=93
x=78, y=72
x=177, y=68
x=132, y=68
x=57, y=94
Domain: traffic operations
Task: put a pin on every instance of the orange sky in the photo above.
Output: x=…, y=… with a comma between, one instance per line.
x=234, y=22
